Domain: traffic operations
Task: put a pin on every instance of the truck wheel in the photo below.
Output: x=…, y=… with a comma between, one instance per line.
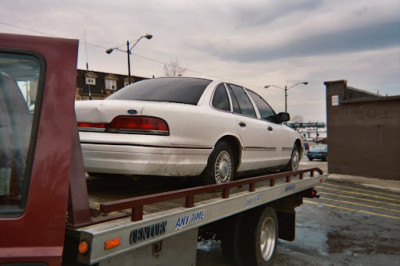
x=261, y=239
x=221, y=165
x=266, y=237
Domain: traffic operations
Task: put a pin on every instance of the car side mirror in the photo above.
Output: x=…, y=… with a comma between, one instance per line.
x=282, y=117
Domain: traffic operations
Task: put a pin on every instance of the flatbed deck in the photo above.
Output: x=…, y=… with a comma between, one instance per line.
x=158, y=216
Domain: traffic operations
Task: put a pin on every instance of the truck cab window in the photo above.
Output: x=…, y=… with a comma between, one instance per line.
x=19, y=78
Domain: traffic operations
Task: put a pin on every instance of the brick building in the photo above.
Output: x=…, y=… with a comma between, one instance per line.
x=363, y=132
x=99, y=84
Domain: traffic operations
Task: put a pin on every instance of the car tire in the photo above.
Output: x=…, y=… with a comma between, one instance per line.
x=310, y=158
x=294, y=162
x=220, y=166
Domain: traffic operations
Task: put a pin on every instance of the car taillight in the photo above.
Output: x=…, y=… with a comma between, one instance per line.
x=86, y=126
x=129, y=124
x=138, y=124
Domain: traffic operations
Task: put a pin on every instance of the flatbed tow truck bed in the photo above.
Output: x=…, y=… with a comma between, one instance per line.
x=146, y=220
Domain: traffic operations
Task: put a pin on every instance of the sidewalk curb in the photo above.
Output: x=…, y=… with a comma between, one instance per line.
x=384, y=184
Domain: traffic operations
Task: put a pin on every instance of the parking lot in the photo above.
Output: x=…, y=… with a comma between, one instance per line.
x=349, y=224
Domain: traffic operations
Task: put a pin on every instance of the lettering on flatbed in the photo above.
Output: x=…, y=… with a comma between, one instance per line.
x=254, y=199
x=190, y=219
x=148, y=232
x=290, y=187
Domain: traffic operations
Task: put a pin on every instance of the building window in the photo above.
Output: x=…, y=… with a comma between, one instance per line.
x=90, y=81
x=111, y=84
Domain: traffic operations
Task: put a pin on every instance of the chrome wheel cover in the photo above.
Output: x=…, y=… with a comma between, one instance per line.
x=223, y=167
x=267, y=238
x=295, y=160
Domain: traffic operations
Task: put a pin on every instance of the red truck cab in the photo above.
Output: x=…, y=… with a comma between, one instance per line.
x=37, y=89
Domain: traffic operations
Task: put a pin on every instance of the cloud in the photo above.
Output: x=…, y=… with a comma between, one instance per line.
x=259, y=13
x=252, y=43
x=373, y=37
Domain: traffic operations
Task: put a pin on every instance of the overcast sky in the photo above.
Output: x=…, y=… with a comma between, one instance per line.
x=250, y=43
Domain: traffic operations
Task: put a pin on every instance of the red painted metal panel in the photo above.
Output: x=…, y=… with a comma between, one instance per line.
x=38, y=235
x=78, y=204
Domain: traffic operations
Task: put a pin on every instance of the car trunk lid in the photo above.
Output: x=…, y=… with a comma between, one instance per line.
x=100, y=111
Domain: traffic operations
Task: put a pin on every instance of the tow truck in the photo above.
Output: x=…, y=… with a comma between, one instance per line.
x=47, y=216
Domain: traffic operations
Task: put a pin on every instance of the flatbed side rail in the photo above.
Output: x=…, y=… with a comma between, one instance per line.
x=137, y=203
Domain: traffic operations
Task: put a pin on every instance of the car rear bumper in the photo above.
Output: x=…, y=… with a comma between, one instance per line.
x=317, y=156
x=143, y=160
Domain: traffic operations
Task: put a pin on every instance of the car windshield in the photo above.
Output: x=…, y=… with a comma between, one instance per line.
x=178, y=90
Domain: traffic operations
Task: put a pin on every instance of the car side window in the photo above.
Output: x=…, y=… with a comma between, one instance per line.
x=220, y=99
x=266, y=112
x=246, y=107
x=235, y=103
x=19, y=79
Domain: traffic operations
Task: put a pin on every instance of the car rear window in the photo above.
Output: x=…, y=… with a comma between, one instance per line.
x=179, y=90
x=319, y=148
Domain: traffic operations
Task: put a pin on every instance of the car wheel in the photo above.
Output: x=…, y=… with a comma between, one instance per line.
x=294, y=162
x=310, y=158
x=221, y=165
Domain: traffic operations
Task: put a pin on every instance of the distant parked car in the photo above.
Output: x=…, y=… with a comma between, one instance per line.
x=306, y=146
x=185, y=127
x=319, y=151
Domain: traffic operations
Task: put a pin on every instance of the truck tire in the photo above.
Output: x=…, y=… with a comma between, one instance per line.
x=220, y=166
x=261, y=239
x=231, y=239
x=252, y=238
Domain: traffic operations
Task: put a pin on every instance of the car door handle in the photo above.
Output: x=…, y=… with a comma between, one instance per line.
x=242, y=124
x=270, y=128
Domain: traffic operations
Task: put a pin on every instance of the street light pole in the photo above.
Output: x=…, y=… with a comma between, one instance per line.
x=129, y=61
x=285, y=98
x=128, y=51
x=285, y=90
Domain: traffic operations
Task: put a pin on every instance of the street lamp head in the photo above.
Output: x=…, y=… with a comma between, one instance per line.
x=266, y=87
x=305, y=83
x=148, y=36
x=109, y=51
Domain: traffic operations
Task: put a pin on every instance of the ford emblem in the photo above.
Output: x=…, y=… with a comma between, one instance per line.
x=132, y=112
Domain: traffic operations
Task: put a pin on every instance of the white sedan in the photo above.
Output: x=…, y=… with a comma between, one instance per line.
x=185, y=127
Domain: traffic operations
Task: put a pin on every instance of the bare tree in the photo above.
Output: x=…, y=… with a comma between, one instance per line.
x=173, y=69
